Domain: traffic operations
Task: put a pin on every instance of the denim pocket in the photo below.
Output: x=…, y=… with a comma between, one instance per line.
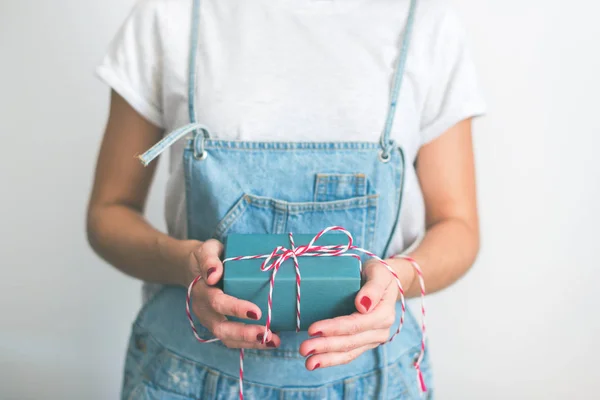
x=330, y=187
x=255, y=214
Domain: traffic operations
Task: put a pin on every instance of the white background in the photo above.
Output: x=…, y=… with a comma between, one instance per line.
x=524, y=324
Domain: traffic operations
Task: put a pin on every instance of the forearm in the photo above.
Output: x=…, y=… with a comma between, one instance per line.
x=446, y=253
x=122, y=237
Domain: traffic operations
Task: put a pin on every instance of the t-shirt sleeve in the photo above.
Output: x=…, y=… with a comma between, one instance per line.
x=132, y=66
x=453, y=92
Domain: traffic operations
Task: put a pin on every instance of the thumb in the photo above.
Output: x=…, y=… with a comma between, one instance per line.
x=208, y=261
x=377, y=280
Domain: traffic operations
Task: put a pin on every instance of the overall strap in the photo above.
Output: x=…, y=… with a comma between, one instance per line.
x=192, y=61
x=386, y=143
x=201, y=132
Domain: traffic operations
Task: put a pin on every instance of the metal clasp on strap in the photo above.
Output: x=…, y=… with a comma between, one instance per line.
x=200, y=137
x=385, y=152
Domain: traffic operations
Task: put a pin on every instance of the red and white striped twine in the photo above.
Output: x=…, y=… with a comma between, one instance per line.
x=281, y=254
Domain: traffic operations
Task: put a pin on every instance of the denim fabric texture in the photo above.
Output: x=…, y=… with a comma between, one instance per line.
x=276, y=187
x=155, y=373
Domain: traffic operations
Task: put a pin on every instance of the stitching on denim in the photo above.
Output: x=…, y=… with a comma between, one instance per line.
x=327, y=183
x=284, y=146
x=285, y=353
x=236, y=211
x=319, y=189
x=371, y=225
x=280, y=222
x=212, y=377
x=295, y=208
x=234, y=145
x=361, y=184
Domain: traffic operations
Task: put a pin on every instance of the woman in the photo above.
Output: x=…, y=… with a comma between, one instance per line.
x=370, y=101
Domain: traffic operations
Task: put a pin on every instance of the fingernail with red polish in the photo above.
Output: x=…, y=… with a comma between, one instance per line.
x=366, y=302
x=252, y=315
x=317, y=366
x=210, y=271
x=271, y=344
x=317, y=334
x=310, y=353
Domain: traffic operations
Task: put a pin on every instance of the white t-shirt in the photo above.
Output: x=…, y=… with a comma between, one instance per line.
x=297, y=70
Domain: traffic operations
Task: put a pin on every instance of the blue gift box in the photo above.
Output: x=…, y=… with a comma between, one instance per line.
x=328, y=286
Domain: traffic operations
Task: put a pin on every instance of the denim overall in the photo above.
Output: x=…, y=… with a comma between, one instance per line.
x=276, y=187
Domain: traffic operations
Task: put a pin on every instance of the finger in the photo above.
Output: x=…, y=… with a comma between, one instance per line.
x=332, y=359
x=214, y=322
x=356, y=323
x=240, y=332
x=382, y=316
x=377, y=280
x=209, y=263
x=269, y=345
x=228, y=305
x=335, y=344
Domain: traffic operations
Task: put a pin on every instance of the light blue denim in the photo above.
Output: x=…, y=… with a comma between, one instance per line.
x=276, y=187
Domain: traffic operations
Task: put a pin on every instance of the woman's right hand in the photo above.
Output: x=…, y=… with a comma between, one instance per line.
x=212, y=306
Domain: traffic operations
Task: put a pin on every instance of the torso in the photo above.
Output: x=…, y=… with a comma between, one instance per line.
x=282, y=72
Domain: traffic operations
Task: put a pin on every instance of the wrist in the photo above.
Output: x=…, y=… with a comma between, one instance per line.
x=188, y=266
x=401, y=267
x=406, y=273
x=179, y=256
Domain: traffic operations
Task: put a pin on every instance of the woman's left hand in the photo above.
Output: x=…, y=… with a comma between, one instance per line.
x=340, y=340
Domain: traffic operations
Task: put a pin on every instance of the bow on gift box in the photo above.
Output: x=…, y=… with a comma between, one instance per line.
x=274, y=260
